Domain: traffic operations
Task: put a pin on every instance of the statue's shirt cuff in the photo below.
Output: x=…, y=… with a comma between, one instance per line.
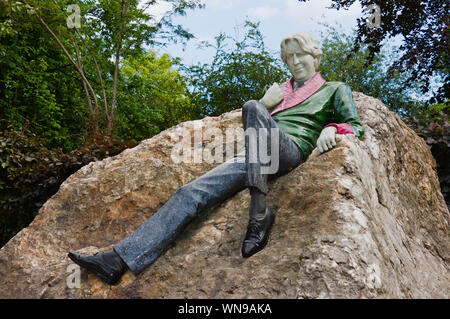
x=342, y=128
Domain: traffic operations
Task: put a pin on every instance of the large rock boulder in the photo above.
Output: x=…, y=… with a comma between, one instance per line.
x=364, y=220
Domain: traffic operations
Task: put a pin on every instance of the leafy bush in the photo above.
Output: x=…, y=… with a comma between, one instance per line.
x=433, y=126
x=30, y=173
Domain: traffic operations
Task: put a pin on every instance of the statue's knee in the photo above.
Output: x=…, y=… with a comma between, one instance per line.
x=251, y=106
x=192, y=199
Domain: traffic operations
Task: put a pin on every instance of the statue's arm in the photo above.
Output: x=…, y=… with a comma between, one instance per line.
x=346, y=115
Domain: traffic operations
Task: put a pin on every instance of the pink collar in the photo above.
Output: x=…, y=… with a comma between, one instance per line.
x=292, y=98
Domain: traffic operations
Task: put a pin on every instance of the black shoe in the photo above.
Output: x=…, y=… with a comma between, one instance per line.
x=108, y=266
x=258, y=234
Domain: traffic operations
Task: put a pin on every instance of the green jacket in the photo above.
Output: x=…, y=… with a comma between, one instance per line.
x=332, y=103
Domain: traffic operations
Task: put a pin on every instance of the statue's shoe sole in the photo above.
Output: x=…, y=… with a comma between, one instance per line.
x=92, y=268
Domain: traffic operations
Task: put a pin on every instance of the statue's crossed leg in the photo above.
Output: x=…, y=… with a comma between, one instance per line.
x=150, y=240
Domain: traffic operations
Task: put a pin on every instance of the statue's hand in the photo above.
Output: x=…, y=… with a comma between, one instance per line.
x=327, y=139
x=273, y=96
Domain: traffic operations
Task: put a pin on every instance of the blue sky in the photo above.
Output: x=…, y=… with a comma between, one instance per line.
x=279, y=18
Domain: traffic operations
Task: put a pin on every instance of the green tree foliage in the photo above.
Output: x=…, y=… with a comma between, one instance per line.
x=424, y=27
x=375, y=79
x=240, y=70
x=153, y=97
x=36, y=85
x=109, y=32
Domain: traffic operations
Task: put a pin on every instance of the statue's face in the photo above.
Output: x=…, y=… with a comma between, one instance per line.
x=300, y=64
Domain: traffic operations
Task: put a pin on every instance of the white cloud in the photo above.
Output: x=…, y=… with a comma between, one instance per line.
x=158, y=10
x=222, y=4
x=262, y=13
x=319, y=8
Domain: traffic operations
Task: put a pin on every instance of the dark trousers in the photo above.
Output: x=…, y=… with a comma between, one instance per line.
x=151, y=239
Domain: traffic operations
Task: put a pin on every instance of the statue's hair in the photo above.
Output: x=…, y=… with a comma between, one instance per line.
x=307, y=42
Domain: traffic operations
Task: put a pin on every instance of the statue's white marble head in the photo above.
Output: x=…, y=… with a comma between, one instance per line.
x=302, y=53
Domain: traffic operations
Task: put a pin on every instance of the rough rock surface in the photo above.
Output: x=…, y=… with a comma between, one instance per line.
x=365, y=220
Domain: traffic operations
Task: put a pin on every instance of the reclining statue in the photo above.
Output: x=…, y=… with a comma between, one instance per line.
x=305, y=112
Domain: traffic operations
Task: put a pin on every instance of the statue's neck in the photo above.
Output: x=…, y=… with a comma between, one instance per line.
x=296, y=85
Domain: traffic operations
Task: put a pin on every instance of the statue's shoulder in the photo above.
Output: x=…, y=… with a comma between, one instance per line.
x=335, y=84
